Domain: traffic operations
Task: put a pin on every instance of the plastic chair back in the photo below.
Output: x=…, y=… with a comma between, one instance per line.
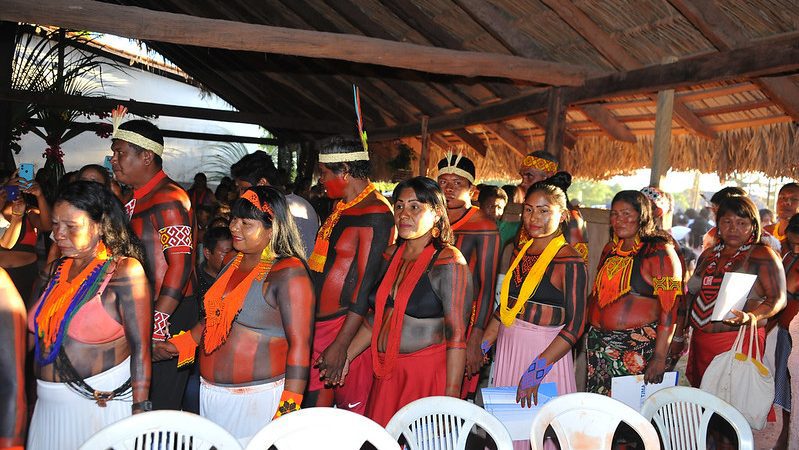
x=328, y=428
x=586, y=421
x=682, y=414
x=176, y=430
x=444, y=423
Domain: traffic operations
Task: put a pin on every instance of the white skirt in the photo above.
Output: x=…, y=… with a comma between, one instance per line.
x=241, y=410
x=62, y=419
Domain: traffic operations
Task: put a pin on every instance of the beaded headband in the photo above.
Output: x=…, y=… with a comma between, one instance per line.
x=129, y=136
x=252, y=197
x=330, y=158
x=453, y=167
x=540, y=163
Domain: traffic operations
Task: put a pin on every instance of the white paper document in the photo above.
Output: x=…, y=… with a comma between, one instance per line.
x=632, y=391
x=501, y=403
x=733, y=292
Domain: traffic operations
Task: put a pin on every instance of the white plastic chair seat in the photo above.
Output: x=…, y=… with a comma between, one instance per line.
x=682, y=414
x=176, y=430
x=328, y=428
x=586, y=421
x=444, y=423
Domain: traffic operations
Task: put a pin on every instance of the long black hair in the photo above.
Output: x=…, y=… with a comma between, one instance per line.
x=428, y=192
x=104, y=208
x=286, y=240
x=647, y=230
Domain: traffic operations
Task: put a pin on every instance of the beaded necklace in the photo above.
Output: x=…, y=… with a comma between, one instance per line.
x=614, y=276
x=62, y=299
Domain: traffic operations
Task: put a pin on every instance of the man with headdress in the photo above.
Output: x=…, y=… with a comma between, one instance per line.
x=160, y=215
x=477, y=238
x=345, y=268
x=538, y=166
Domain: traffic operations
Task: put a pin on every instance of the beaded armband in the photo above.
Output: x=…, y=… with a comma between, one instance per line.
x=160, y=326
x=666, y=289
x=186, y=346
x=289, y=402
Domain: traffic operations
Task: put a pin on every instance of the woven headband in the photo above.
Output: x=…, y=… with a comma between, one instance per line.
x=252, y=197
x=540, y=163
x=129, y=136
x=330, y=158
x=452, y=167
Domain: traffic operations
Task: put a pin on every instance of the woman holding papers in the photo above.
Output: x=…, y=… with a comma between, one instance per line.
x=739, y=250
x=421, y=307
x=542, y=299
x=633, y=304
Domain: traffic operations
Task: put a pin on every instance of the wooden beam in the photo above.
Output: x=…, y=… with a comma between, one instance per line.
x=556, y=123
x=441, y=143
x=725, y=34
x=471, y=140
x=605, y=120
x=104, y=104
x=137, y=23
x=661, y=152
x=500, y=25
x=757, y=60
x=508, y=137
x=425, y=150
x=540, y=120
x=177, y=134
x=685, y=117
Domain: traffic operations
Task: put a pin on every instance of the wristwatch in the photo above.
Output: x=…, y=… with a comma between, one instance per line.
x=146, y=405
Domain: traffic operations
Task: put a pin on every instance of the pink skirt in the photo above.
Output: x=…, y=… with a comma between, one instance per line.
x=517, y=346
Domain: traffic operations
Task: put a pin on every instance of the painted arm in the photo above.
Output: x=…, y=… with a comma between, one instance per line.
x=665, y=275
x=11, y=235
x=297, y=304
x=133, y=295
x=13, y=406
x=452, y=283
x=484, y=278
x=770, y=285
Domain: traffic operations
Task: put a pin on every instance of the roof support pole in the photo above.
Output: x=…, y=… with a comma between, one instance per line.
x=425, y=153
x=556, y=123
x=661, y=151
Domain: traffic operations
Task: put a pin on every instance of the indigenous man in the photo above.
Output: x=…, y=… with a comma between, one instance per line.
x=492, y=201
x=787, y=206
x=257, y=169
x=160, y=215
x=13, y=409
x=538, y=166
x=477, y=238
x=345, y=267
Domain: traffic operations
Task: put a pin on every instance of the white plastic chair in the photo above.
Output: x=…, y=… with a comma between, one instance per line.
x=162, y=429
x=588, y=421
x=681, y=415
x=329, y=428
x=444, y=423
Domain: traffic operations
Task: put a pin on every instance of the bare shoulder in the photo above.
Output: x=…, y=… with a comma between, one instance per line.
x=764, y=253
x=450, y=255
x=567, y=254
x=291, y=262
x=128, y=268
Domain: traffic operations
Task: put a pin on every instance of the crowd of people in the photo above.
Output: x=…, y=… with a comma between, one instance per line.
x=251, y=302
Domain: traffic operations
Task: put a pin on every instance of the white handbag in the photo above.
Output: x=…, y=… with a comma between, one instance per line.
x=742, y=380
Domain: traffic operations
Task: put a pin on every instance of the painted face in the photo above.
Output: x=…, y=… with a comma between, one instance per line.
x=249, y=235
x=624, y=220
x=787, y=203
x=540, y=216
x=92, y=175
x=75, y=233
x=413, y=218
x=734, y=230
x=493, y=208
x=216, y=257
x=531, y=176
x=127, y=163
x=334, y=183
x=457, y=189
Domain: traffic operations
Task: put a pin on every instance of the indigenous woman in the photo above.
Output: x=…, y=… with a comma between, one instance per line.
x=782, y=378
x=18, y=242
x=542, y=300
x=422, y=307
x=255, y=340
x=739, y=249
x=633, y=304
x=92, y=325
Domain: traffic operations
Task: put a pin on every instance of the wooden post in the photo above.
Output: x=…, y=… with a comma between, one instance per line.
x=663, y=117
x=556, y=123
x=8, y=32
x=285, y=159
x=425, y=154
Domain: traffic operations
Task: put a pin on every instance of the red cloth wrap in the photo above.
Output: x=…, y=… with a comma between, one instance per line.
x=416, y=375
x=705, y=347
x=353, y=394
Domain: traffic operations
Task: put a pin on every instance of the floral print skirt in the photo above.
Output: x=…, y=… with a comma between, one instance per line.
x=616, y=353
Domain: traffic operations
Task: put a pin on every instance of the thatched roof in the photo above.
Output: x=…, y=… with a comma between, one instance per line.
x=715, y=113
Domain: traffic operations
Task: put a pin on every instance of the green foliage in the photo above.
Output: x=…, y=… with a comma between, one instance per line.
x=592, y=193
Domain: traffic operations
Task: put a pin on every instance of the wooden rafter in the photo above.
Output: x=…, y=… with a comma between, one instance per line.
x=500, y=25
x=471, y=140
x=714, y=24
x=134, y=22
x=507, y=137
x=540, y=120
x=606, y=121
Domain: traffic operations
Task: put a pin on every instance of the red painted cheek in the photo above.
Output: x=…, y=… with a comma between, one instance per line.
x=335, y=187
